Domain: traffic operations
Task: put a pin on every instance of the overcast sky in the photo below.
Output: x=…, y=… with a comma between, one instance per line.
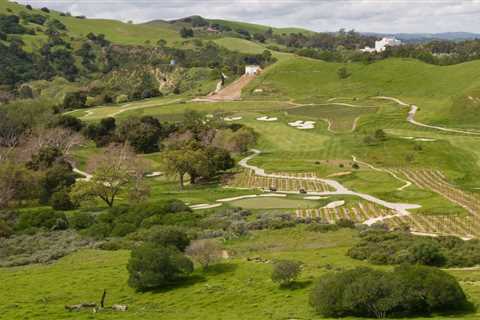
x=322, y=15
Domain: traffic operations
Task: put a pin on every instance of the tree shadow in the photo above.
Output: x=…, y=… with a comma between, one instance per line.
x=181, y=283
x=296, y=285
x=220, y=268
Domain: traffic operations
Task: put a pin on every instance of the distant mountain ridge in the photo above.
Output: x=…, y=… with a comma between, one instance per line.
x=421, y=37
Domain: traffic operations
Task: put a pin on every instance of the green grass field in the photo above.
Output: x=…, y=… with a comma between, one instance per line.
x=234, y=289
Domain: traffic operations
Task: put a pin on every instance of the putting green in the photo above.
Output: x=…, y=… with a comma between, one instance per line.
x=274, y=203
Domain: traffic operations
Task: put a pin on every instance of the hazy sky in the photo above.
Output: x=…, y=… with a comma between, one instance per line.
x=321, y=15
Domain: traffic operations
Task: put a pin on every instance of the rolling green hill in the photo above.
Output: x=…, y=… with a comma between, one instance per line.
x=437, y=90
x=115, y=31
x=253, y=28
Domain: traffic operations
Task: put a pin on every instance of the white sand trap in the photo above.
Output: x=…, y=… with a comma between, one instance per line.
x=425, y=140
x=335, y=204
x=209, y=116
x=154, y=174
x=237, y=198
x=296, y=123
x=275, y=195
x=232, y=118
x=315, y=198
x=408, y=138
x=205, y=206
x=268, y=119
x=303, y=125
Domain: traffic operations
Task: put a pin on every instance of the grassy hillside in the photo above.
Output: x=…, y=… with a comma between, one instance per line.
x=235, y=289
x=115, y=31
x=254, y=28
x=430, y=87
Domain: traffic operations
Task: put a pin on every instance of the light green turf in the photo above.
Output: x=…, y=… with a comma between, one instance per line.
x=273, y=203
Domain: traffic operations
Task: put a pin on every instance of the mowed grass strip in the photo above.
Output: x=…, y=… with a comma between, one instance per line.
x=341, y=118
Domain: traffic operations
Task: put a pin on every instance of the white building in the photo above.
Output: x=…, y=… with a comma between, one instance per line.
x=382, y=45
x=252, y=70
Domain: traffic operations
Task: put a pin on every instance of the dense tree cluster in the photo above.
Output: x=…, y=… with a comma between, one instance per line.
x=383, y=247
x=405, y=291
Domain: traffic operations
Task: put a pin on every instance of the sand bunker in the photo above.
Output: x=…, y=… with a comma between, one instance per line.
x=268, y=119
x=303, y=125
x=232, y=118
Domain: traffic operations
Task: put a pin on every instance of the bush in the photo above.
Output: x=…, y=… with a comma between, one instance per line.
x=121, y=98
x=345, y=223
x=168, y=236
x=285, y=271
x=81, y=221
x=99, y=231
x=6, y=230
x=42, y=219
x=382, y=247
x=406, y=291
x=60, y=200
x=122, y=229
x=151, y=266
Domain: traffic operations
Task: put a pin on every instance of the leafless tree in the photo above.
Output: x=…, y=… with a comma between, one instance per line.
x=205, y=252
x=116, y=170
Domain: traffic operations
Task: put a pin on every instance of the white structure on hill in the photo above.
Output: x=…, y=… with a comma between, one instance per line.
x=252, y=70
x=382, y=45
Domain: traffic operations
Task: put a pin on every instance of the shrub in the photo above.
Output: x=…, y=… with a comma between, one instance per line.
x=99, y=231
x=285, y=271
x=174, y=206
x=5, y=229
x=60, y=200
x=204, y=252
x=42, y=219
x=345, y=223
x=151, y=266
x=168, y=236
x=81, y=220
x=121, y=98
x=45, y=9
x=406, y=291
x=427, y=254
x=41, y=247
x=122, y=229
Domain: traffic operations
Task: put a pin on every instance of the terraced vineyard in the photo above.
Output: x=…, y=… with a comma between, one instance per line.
x=436, y=181
x=359, y=212
x=294, y=182
x=464, y=226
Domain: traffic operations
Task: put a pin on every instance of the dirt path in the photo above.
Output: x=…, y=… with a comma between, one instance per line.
x=231, y=92
x=407, y=183
x=400, y=208
x=412, y=113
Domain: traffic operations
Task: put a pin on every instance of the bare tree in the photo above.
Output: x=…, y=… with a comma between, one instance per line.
x=204, y=252
x=114, y=171
x=10, y=138
x=60, y=138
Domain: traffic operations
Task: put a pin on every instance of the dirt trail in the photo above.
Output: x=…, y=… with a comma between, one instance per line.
x=231, y=92
x=400, y=208
x=412, y=113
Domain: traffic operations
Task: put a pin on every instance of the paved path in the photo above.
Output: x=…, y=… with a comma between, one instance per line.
x=413, y=112
x=87, y=176
x=407, y=183
x=400, y=208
